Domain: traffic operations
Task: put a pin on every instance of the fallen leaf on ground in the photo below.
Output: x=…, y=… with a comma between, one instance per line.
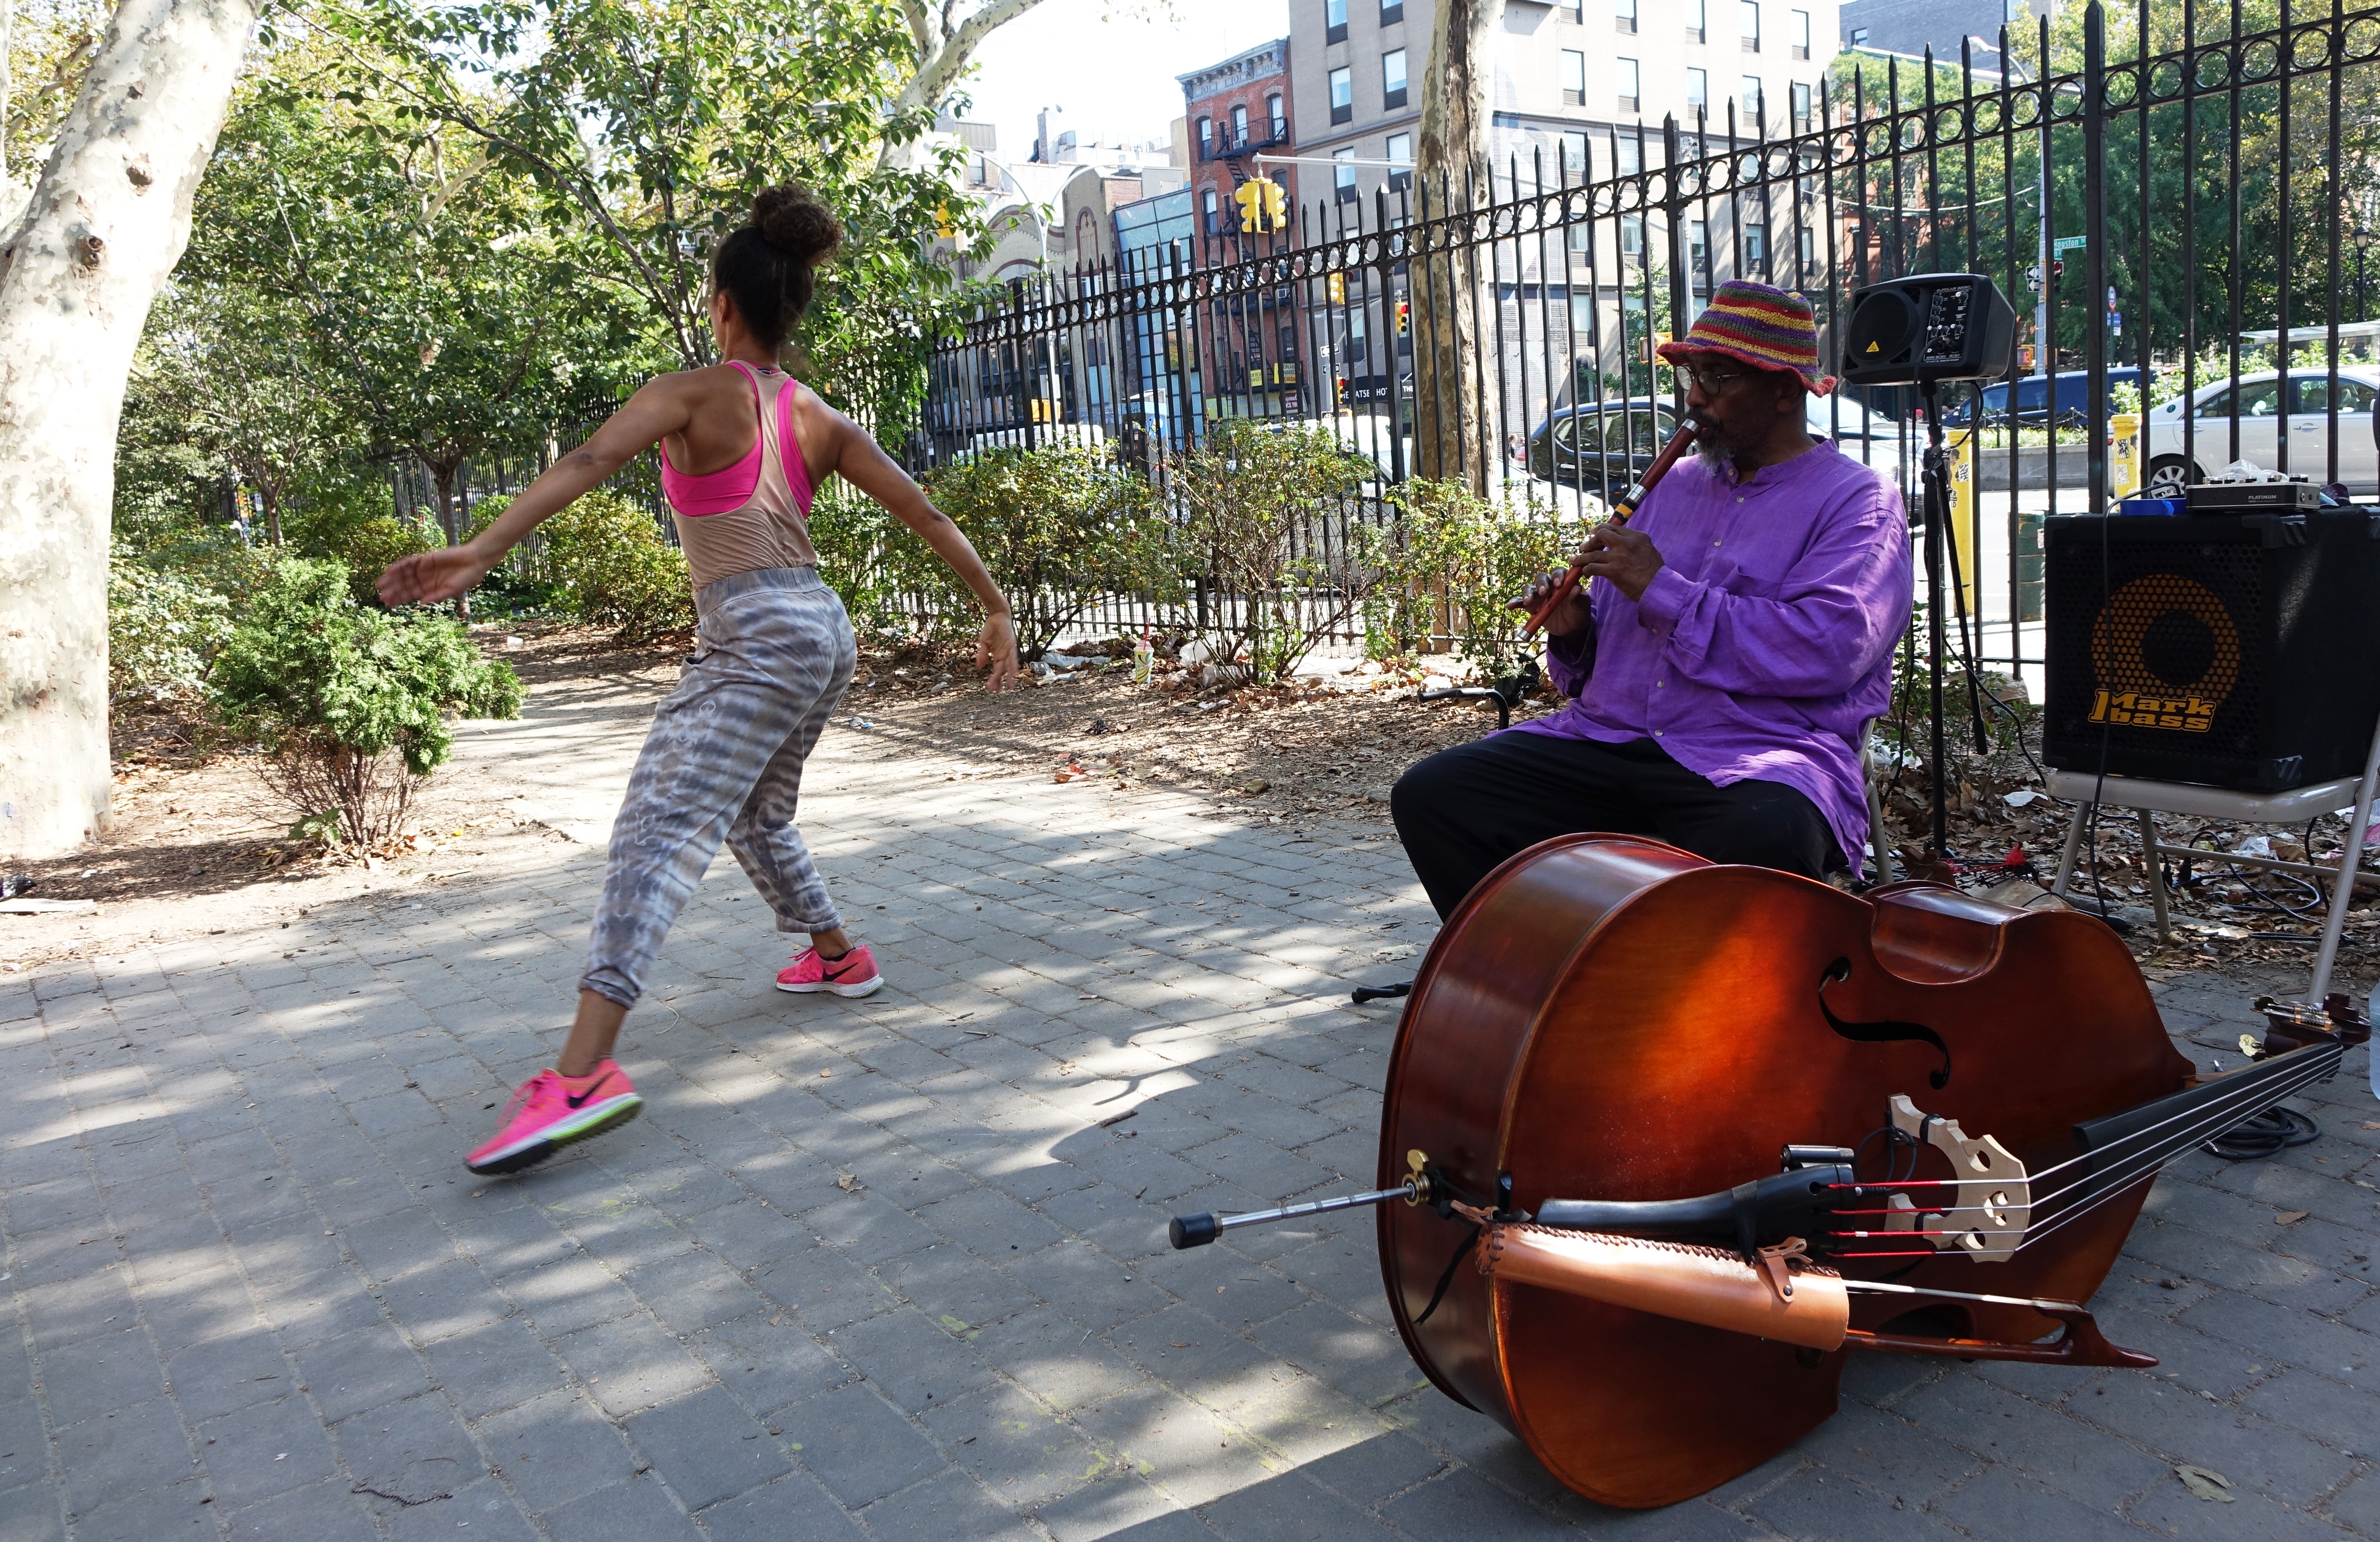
x=847, y=1182
x=2288, y=1218
x=1390, y=955
x=2209, y=1485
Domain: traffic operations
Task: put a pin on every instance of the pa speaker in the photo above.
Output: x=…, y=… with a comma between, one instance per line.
x=2236, y=651
x=1930, y=327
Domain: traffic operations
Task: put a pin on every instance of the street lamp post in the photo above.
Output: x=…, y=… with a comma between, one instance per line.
x=2362, y=238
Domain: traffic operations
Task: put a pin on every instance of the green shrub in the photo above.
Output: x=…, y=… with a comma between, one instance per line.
x=1061, y=529
x=1266, y=517
x=1457, y=563
x=890, y=580
x=348, y=703
x=613, y=569
x=163, y=630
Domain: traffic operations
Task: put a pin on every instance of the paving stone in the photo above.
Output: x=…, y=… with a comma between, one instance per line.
x=365, y=1369
x=407, y=1452
x=636, y=1510
x=125, y=1453
x=94, y=1376
x=949, y=1503
x=796, y=1505
x=707, y=1448
x=631, y=1364
x=554, y=1447
x=2004, y=1507
x=267, y=1449
x=483, y=1510
x=857, y=1445
x=495, y=1367
x=326, y=1509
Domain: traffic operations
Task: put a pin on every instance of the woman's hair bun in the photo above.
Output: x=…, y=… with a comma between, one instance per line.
x=791, y=218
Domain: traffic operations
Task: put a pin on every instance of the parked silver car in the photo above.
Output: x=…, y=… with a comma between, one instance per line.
x=2254, y=406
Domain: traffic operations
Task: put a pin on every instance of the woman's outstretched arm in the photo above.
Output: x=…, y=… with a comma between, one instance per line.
x=860, y=461
x=659, y=408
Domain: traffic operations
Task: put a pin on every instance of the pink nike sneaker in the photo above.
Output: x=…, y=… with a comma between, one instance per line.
x=852, y=975
x=552, y=1110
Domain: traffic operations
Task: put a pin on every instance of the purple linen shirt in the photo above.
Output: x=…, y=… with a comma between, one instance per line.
x=1764, y=640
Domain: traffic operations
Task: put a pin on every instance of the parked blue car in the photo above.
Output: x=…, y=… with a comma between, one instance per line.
x=2033, y=394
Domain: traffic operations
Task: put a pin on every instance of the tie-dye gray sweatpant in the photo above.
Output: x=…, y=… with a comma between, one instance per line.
x=773, y=654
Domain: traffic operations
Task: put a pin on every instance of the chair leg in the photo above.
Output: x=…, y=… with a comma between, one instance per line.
x=2349, y=861
x=2073, y=845
x=1879, y=847
x=2157, y=873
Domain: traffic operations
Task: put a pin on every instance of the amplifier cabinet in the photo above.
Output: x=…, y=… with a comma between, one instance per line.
x=2237, y=650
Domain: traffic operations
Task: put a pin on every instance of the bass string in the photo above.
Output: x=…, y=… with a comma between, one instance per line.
x=2248, y=1091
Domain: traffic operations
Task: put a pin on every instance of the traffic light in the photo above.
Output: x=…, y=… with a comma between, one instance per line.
x=1276, y=203
x=1335, y=286
x=1249, y=196
x=1404, y=317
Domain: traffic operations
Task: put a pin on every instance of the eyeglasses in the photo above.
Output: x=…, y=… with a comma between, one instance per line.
x=1713, y=382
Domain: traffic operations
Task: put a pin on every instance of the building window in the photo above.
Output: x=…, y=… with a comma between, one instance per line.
x=1393, y=79
x=1239, y=125
x=1581, y=240
x=1573, y=11
x=1574, y=154
x=1214, y=219
x=1698, y=89
x=1802, y=108
x=1752, y=98
x=1342, y=175
x=1205, y=138
x=1399, y=162
x=1800, y=35
x=1358, y=344
x=1806, y=240
x=1573, y=77
x=1751, y=12
x=1755, y=249
x=1632, y=235
x=1627, y=154
x=1623, y=71
x=1698, y=247
x=1342, y=94
x=1280, y=122
x=1391, y=12
x=1694, y=30
x=1623, y=14
x=1334, y=21
x=1859, y=37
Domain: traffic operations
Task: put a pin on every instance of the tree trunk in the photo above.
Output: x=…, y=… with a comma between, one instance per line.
x=106, y=225
x=445, y=471
x=943, y=55
x=1453, y=153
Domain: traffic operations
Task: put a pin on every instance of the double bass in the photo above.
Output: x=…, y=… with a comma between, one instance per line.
x=1664, y=1142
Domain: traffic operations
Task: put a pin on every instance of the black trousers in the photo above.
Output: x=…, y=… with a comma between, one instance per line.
x=1463, y=811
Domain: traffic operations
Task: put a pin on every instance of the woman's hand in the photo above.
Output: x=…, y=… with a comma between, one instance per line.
x=428, y=577
x=995, y=650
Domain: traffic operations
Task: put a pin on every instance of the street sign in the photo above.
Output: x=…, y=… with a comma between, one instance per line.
x=2068, y=243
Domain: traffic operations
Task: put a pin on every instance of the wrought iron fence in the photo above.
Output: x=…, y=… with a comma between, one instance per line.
x=2174, y=196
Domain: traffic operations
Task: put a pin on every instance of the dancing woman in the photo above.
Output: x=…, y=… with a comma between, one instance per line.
x=743, y=449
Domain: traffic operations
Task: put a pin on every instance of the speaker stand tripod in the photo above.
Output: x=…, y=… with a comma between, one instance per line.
x=1941, y=552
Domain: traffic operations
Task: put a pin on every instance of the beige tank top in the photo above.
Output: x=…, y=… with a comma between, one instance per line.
x=754, y=514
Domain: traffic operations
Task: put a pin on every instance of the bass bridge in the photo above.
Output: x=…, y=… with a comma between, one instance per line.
x=1990, y=1199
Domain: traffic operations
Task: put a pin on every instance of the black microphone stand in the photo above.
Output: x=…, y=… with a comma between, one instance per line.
x=1941, y=551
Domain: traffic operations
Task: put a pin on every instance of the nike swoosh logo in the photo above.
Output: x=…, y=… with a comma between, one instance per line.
x=591, y=1092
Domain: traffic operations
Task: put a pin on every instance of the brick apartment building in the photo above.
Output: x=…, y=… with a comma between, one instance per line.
x=1233, y=111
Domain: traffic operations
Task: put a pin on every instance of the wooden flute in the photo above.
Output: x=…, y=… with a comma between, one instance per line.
x=1625, y=505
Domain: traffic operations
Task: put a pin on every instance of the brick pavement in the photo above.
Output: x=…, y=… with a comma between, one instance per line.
x=250, y=1292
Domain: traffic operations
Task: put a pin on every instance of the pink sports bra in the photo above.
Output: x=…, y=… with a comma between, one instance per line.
x=753, y=514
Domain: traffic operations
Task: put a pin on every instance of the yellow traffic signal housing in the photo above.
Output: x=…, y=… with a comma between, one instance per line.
x=1276, y=203
x=1335, y=286
x=1404, y=317
x=1249, y=196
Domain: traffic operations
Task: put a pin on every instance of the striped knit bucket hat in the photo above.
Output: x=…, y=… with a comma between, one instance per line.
x=1766, y=328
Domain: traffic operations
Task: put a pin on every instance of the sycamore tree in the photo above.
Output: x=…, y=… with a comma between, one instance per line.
x=1452, y=158
x=364, y=276
x=103, y=226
